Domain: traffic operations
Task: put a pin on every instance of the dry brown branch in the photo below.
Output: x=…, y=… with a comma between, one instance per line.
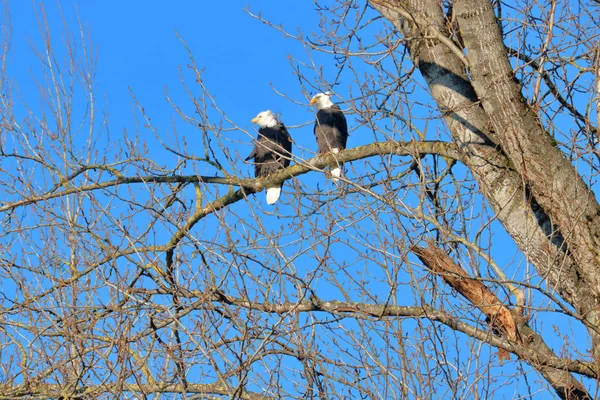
x=36, y=390
x=415, y=149
x=473, y=290
x=529, y=346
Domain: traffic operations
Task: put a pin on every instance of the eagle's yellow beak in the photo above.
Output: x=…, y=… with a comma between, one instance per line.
x=254, y=120
x=313, y=100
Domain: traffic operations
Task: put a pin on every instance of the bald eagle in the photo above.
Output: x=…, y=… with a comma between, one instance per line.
x=331, y=128
x=272, y=150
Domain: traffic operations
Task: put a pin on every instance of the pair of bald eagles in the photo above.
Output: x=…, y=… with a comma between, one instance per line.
x=273, y=147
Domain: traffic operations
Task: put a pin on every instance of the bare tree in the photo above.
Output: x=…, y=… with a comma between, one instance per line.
x=457, y=258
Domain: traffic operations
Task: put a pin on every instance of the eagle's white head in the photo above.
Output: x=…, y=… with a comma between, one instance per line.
x=322, y=100
x=265, y=119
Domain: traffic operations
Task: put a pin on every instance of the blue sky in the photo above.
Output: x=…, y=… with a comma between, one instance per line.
x=139, y=53
x=138, y=48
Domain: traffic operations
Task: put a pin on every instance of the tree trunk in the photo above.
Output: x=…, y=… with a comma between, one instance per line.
x=514, y=187
x=552, y=179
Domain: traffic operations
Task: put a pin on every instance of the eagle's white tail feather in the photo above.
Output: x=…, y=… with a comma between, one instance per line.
x=273, y=195
x=336, y=173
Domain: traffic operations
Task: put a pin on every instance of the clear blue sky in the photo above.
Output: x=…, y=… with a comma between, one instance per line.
x=137, y=47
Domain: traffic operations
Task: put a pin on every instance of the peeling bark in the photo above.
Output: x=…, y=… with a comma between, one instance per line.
x=504, y=319
x=473, y=290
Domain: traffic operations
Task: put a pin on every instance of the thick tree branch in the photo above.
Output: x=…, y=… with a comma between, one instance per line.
x=364, y=310
x=414, y=148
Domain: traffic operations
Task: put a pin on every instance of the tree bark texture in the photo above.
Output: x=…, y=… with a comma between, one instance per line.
x=553, y=180
x=471, y=128
x=502, y=142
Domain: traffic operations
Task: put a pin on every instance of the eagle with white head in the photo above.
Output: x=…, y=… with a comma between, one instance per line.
x=331, y=128
x=272, y=150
